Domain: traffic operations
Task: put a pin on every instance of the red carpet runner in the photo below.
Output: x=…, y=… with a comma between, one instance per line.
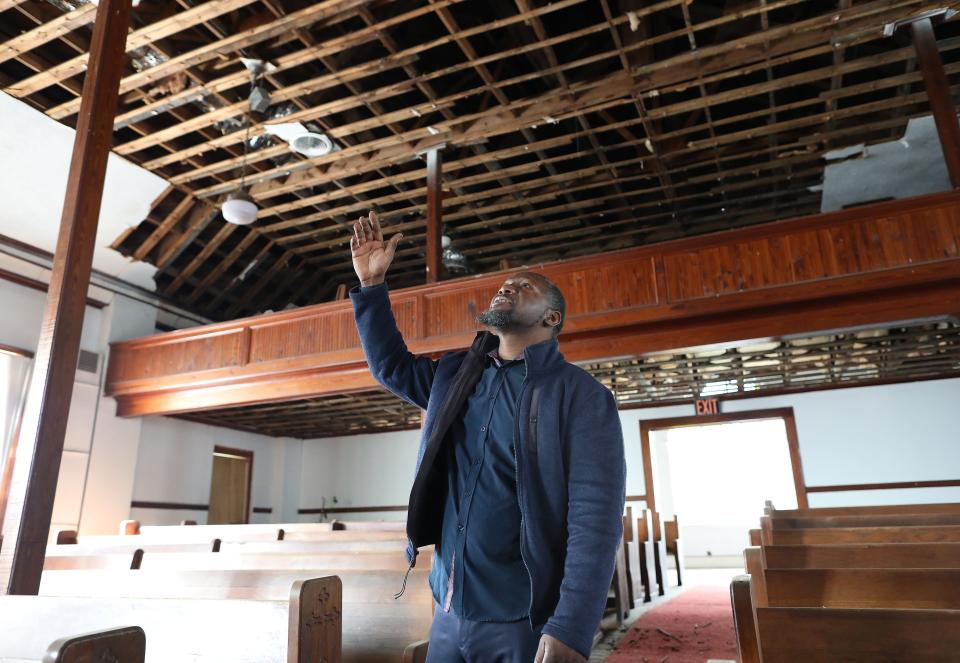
x=691, y=628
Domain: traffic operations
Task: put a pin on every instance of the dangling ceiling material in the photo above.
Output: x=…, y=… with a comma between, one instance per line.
x=571, y=127
x=897, y=354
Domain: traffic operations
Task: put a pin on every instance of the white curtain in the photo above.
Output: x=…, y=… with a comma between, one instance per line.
x=14, y=378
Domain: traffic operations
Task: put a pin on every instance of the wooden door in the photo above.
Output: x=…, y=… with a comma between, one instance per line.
x=230, y=486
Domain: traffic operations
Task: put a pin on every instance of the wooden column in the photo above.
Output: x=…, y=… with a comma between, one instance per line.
x=34, y=483
x=434, y=213
x=938, y=92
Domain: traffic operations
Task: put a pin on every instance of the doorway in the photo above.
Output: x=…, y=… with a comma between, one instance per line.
x=712, y=474
x=230, y=486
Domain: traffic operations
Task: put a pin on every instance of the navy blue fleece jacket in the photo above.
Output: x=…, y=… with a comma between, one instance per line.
x=569, y=454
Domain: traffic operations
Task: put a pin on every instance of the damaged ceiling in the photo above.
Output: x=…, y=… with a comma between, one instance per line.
x=570, y=127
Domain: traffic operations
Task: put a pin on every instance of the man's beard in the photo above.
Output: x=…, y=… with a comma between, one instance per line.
x=499, y=319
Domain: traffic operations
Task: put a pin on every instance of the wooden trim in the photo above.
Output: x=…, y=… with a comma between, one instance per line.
x=784, y=413
x=870, y=289
x=351, y=509
x=796, y=466
x=20, y=352
x=34, y=284
x=248, y=455
x=172, y=506
x=636, y=498
x=945, y=483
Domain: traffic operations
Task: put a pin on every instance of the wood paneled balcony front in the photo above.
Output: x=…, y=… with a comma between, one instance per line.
x=891, y=261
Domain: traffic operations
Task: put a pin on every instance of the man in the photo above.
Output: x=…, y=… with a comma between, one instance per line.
x=520, y=474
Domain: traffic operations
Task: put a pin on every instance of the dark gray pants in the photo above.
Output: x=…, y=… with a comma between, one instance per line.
x=455, y=640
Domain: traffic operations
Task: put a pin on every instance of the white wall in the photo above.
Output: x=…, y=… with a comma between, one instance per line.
x=892, y=433
x=101, y=471
x=359, y=470
x=175, y=464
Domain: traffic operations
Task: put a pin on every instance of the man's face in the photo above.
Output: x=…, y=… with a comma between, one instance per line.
x=519, y=304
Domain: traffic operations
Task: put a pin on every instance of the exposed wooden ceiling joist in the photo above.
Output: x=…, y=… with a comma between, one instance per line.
x=563, y=122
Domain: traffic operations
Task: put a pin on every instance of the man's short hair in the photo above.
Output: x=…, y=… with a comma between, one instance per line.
x=555, y=300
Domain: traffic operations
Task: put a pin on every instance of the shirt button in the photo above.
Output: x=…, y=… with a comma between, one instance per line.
x=459, y=528
x=483, y=429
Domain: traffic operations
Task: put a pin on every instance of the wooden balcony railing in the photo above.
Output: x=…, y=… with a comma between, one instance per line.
x=868, y=265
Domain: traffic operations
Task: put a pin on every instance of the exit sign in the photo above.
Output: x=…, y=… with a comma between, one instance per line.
x=707, y=406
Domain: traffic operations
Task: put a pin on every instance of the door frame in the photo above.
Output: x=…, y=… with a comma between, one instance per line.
x=793, y=444
x=248, y=455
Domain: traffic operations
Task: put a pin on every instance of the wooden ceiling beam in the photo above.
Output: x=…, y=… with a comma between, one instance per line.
x=210, y=279
x=136, y=39
x=164, y=227
x=241, y=77
x=567, y=36
x=257, y=261
x=545, y=232
x=209, y=247
x=47, y=32
x=251, y=293
x=296, y=180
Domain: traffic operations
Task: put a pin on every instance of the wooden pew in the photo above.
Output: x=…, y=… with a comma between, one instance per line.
x=947, y=507
x=344, y=535
x=397, y=546
x=863, y=588
x=119, y=645
x=802, y=635
x=110, y=544
x=628, y=542
x=659, y=553
x=864, y=556
x=376, y=626
x=671, y=543
x=744, y=623
x=378, y=525
x=94, y=561
x=880, y=520
x=846, y=580
x=643, y=557
x=254, y=532
x=275, y=560
x=828, y=535
x=304, y=629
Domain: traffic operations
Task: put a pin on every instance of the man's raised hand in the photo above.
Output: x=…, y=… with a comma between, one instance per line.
x=371, y=255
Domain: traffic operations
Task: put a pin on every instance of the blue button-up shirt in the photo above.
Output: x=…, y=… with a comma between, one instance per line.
x=478, y=572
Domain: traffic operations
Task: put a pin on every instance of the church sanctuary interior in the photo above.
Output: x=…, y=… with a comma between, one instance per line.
x=752, y=208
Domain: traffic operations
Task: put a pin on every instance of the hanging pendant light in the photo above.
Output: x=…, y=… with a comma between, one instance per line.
x=239, y=208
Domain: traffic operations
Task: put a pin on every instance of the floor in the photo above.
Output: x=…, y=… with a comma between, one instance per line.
x=692, y=578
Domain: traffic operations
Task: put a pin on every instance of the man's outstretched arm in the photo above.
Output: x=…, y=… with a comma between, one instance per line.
x=393, y=366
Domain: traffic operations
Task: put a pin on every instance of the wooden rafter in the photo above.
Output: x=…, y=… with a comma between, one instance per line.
x=563, y=122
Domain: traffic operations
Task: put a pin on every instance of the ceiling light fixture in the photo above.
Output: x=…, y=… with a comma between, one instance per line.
x=239, y=207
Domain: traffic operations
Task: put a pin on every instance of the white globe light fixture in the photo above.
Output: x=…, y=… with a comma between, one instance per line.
x=239, y=209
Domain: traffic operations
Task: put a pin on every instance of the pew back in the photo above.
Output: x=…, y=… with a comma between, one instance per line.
x=304, y=628
x=864, y=556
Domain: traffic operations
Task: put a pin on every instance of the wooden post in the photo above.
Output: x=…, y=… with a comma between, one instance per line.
x=938, y=93
x=37, y=465
x=434, y=213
